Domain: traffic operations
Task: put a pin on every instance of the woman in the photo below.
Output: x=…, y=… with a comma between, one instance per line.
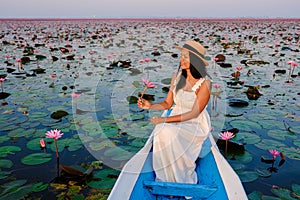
x=178, y=138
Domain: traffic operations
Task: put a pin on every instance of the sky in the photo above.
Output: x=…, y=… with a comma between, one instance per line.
x=149, y=8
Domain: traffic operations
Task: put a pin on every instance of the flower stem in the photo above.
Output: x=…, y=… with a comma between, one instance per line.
x=145, y=88
x=56, y=147
x=226, y=148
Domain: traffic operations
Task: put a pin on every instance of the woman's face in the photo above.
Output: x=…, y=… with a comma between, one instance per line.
x=185, y=59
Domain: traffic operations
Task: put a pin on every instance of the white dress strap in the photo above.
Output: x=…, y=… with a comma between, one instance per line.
x=198, y=84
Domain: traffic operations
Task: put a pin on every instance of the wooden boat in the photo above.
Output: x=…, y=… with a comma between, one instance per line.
x=216, y=179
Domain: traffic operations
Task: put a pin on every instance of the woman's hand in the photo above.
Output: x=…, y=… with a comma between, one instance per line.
x=158, y=120
x=143, y=103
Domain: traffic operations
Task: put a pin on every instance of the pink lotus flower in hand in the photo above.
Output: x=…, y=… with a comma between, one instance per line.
x=274, y=153
x=148, y=84
x=55, y=134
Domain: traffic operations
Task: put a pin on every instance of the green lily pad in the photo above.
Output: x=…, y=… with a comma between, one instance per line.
x=282, y=193
x=20, y=132
x=166, y=81
x=281, y=134
x=37, y=115
x=246, y=137
x=4, y=163
x=296, y=189
x=36, y=158
x=73, y=144
x=263, y=172
x=245, y=158
x=118, y=154
x=108, y=178
x=267, y=144
x=245, y=125
x=92, y=129
x=97, y=146
x=40, y=186
x=247, y=176
x=8, y=150
x=3, y=174
x=18, y=192
x=256, y=195
x=11, y=186
x=4, y=138
x=291, y=152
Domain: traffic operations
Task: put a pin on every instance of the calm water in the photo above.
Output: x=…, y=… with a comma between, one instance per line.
x=101, y=125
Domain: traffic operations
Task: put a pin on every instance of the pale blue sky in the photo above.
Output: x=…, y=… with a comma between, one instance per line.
x=149, y=8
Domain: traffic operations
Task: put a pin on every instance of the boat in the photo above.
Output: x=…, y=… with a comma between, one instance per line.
x=216, y=179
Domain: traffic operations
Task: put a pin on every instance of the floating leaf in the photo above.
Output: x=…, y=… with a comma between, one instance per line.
x=296, y=189
x=40, y=186
x=15, y=190
x=267, y=144
x=281, y=134
x=263, y=172
x=118, y=153
x=3, y=174
x=256, y=195
x=92, y=129
x=97, y=146
x=245, y=125
x=282, y=193
x=291, y=152
x=20, y=132
x=247, y=176
x=36, y=158
x=248, y=138
x=8, y=150
x=6, y=163
x=4, y=138
x=245, y=158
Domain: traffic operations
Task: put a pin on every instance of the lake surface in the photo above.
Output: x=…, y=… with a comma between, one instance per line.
x=102, y=60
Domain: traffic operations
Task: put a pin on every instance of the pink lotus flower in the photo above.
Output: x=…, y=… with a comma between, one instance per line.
x=2, y=80
x=53, y=76
x=75, y=95
x=91, y=52
x=36, y=51
x=147, y=59
x=239, y=68
x=42, y=143
x=141, y=61
x=293, y=63
x=148, y=84
x=216, y=59
x=226, y=135
x=274, y=153
x=18, y=60
x=55, y=134
x=216, y=85
x=7, y=57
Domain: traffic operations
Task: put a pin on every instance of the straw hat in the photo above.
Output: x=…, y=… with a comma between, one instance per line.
x=196, y=48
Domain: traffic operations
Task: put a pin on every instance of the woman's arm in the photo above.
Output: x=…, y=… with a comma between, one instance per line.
x=203, y=95
x=164, y=105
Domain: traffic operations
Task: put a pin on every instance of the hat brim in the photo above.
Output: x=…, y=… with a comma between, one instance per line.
x=181, y=48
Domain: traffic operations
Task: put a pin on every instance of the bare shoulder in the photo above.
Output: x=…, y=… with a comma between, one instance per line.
x=205, y=87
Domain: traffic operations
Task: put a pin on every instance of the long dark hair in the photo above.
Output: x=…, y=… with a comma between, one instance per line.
x=197, y=68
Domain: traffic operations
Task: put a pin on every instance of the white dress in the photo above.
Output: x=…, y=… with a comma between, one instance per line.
x=176, y=146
